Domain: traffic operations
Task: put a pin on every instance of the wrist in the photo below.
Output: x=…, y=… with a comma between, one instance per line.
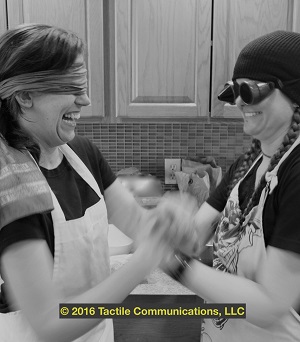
x=178, y=266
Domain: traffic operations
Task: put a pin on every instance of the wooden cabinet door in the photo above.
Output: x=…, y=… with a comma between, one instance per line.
x=236, y=23
x=84, y=17
x=3, y=21
x=162, y=58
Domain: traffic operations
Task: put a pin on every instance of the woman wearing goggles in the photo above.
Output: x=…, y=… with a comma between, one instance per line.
x=256, y=206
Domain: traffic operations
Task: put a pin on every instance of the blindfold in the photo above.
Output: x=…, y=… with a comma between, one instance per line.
x=51, y=81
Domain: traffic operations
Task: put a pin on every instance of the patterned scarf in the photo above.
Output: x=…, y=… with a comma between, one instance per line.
x=23, y=189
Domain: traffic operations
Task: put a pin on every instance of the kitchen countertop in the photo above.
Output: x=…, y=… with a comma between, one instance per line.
x=156, y=283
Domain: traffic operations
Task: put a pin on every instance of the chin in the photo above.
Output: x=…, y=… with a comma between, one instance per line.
x=247, y=130
x=65, y=138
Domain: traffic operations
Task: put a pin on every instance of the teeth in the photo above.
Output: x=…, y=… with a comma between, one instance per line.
x=73, y=116
x=70, y=123
x=252, y=114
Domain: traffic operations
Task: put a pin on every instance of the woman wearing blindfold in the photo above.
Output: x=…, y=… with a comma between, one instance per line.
x=57, y=193
x=256, y=206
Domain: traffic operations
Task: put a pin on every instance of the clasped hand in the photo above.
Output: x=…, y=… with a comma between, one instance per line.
x=174, y=224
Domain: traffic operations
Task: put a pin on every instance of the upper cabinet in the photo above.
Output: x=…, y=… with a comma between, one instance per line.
x=236, y=23
x=158, y=59
x=3, y=22
x=84, y=17
x=162, y=58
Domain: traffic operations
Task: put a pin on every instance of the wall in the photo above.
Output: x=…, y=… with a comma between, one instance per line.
x=146, y=145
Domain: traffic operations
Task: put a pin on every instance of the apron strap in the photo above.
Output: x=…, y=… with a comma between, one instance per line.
x=80, y=168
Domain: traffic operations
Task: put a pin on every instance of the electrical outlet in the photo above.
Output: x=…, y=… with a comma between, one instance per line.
x=171, y=166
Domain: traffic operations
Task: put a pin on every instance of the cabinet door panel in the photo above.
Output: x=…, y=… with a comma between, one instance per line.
x=237, y=22
x=162, y=57
x=84, y=17
x=3, y=22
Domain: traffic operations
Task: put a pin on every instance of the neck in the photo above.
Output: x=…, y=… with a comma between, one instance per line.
x=266, y=156
x=50, y=157
x=269, y=148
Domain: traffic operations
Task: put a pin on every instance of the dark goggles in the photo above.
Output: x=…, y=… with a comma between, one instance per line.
x=251, y=92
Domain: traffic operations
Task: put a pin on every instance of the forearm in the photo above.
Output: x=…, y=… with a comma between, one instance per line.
x=204, y=222
x=262, y=308
x=124, y=211
x=28, y=271
x=114, y=289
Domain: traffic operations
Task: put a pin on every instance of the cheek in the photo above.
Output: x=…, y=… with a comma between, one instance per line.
x=282, y=113
x=54, y=115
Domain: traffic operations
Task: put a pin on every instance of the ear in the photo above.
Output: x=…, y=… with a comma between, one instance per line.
x=24, y=99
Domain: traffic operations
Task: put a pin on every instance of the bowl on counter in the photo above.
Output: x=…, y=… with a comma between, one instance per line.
x=142, y=186
x=118, y=242
x=147, y=190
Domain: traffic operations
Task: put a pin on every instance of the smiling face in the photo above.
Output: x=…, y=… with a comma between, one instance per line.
x=51, y=118
x=268, y=119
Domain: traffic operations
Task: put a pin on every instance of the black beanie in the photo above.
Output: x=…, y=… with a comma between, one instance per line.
x=272, y=57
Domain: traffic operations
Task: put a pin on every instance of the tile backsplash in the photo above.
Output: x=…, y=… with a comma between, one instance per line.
x=146, y=145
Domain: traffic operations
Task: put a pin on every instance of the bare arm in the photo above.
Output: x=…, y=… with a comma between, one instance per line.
x=277, y=284
x=204, y=221
x=124, y=211
x=28, y=270
x=276, y=289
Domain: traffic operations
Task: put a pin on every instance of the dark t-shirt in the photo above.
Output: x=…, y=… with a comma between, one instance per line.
x=74, y=196
x=281, y=214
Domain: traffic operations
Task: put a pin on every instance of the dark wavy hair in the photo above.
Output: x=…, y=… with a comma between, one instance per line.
x=30, y=48
x=253, y=153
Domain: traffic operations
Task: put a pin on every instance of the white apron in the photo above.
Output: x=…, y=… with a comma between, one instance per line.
x=240, y=251
x=81, y=260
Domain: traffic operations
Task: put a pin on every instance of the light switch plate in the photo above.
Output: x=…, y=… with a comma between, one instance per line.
x=171, y=166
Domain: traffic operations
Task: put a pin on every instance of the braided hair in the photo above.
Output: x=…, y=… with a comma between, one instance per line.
x=253, y=153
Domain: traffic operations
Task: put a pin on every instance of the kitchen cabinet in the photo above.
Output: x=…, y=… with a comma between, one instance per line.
x=84, y=17
x=162, y=58
x=172, y=57
x=3, y=23
x=237, y=22
x=163, y=329
x=157, y=290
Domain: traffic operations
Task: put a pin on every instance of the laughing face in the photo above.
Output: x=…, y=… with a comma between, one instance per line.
x=268, y=119
x=51, y=118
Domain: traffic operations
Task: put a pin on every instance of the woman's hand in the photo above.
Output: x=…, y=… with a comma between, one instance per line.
x=154, y=245
x=176, y=217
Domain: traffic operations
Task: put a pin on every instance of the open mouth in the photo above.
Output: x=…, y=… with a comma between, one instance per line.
x=70, y=118
x=247, y=115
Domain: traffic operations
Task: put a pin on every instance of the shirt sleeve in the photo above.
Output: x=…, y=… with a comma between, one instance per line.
x=286, y=230
x=29, y=227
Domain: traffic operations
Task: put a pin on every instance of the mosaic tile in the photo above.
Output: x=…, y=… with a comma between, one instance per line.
x=146, y=145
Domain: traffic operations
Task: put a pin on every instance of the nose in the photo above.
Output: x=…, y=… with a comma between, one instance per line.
x=239, y=102
x=83, y=100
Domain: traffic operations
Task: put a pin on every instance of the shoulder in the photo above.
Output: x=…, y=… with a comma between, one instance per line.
x=86, y=150
x=83, y=145
x=90, y=154
x=290, y=168
x=281, y=214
